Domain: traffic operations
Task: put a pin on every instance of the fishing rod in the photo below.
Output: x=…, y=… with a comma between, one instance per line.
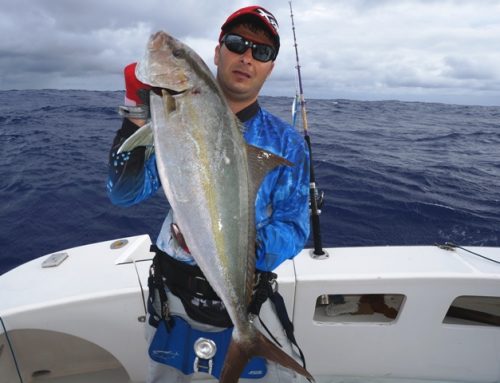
x=315, y=200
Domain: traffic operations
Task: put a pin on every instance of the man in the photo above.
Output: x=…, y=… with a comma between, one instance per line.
x=248, y=45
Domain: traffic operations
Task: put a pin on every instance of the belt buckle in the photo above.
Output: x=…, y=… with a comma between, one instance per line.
x=204, y=350
x=199, y=367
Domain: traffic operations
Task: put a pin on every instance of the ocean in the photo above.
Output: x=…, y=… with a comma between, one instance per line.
x=393, y=173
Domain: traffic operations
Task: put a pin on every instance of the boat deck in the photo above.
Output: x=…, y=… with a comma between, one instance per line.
x=372, y=314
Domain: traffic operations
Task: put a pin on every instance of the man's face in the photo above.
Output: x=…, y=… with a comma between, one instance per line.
x=241, y=76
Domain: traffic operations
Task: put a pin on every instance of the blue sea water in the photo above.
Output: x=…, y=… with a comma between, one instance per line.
x=394, y=173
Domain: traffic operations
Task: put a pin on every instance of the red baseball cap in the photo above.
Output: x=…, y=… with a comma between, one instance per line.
x=263, y=16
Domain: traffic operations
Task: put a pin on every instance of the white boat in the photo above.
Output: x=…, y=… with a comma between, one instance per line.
x=368, y=314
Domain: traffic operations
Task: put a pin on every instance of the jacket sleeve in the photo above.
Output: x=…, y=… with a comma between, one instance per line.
x=283, y=234
x=131, y=178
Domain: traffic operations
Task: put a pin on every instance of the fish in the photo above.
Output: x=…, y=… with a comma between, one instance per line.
x=210, y=177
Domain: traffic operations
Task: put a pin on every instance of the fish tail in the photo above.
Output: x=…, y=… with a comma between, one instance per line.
x=239, y=354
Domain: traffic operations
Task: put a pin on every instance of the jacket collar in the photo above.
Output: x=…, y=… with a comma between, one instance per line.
x=247, y=113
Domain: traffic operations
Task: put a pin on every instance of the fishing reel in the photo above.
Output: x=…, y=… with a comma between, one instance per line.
x=319, y=199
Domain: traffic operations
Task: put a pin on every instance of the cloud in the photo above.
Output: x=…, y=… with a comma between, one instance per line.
x=362, y=49
x=403, y=48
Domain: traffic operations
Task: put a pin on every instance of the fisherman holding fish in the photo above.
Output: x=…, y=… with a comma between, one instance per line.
x=194, y=292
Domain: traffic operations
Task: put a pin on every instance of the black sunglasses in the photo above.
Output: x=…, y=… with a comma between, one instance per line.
x=238, y=44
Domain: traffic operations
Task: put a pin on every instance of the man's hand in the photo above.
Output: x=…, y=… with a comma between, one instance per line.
x=136, y=95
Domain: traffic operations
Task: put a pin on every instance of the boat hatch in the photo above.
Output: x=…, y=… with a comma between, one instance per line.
x=54, y=260
x=474, y=311
x=371, y=308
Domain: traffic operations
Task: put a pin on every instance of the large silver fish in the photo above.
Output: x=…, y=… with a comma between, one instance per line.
x=210, y=177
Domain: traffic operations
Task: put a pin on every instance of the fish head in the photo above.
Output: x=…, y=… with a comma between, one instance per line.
x=168, y=64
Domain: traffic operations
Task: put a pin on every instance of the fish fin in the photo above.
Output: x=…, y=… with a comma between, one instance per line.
x=142, y=137
x=261, y=162
x=239, y=354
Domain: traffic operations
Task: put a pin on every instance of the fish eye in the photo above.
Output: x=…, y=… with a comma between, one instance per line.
x=179, y=53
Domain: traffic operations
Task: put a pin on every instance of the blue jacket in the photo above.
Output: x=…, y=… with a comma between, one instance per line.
x=282, y=203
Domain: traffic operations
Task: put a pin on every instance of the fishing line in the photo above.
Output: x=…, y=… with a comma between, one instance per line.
x=11, y=350
x=315, y=201
x=140, y=285
x=452, y=246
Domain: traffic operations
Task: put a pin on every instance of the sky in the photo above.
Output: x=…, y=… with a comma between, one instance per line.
x=411, y=50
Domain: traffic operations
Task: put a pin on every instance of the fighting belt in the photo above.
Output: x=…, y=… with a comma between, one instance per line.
x=189, y=284
x=189, y=350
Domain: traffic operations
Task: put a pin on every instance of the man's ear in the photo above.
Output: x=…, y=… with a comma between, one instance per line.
x=216, y=55
x=270, y=70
